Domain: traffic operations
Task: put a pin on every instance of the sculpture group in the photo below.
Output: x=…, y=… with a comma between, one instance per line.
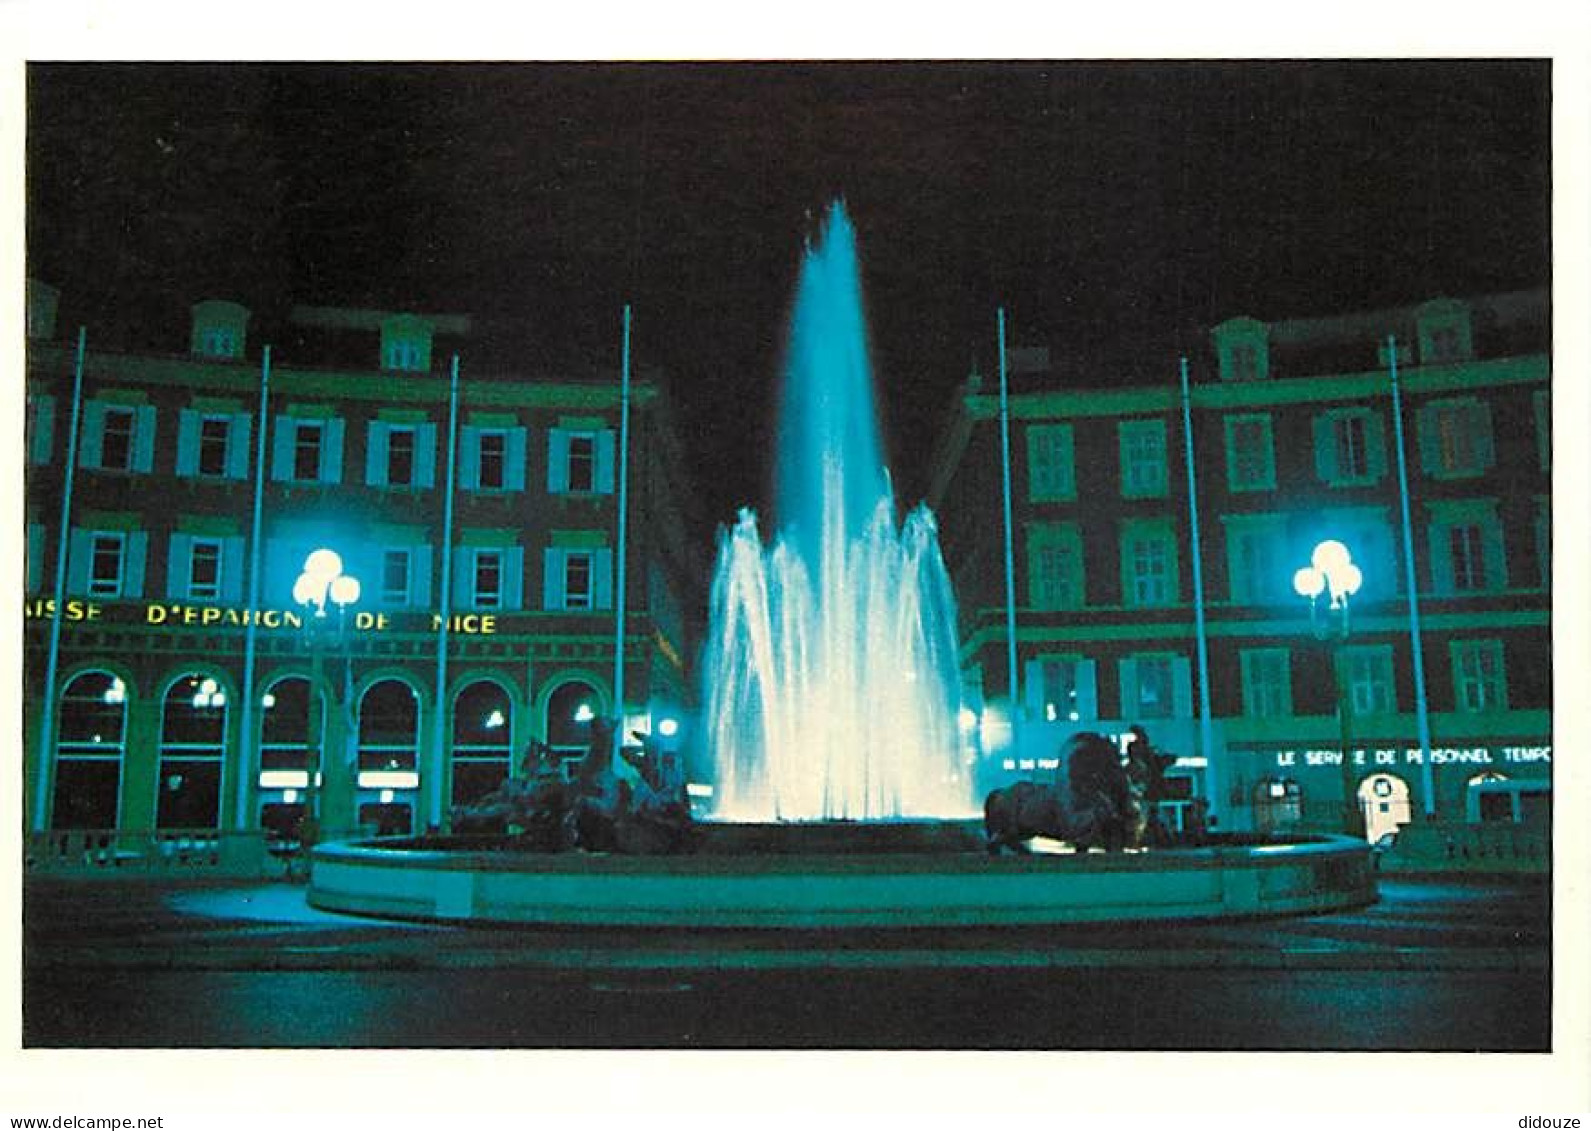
x=1095, y=801
x=595, y=808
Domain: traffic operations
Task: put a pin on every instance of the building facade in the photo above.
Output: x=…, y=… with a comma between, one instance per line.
x=1294, y=441
x=190, y=668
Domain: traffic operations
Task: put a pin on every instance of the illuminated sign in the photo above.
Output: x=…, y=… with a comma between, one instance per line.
x=176, y=614
x=1413, y=756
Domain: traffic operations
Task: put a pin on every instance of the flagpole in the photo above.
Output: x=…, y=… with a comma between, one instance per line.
x=624, y=522
x=246, y=743
x=41, y=797
x=439, y=714
x=1010, y=556
x=1422, y=716
x=1206, y=742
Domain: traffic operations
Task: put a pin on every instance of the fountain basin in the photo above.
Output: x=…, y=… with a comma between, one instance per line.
x=836, y=875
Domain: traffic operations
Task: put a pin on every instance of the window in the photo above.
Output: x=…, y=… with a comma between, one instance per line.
x=1466, y=541
x=105, y=565
x=482, y=735
x=577, y=580
x=1148, y=561
x=1367, y=675
x=1478, y=679
x=1245, y=362
x=578, y=572
x=389, y=727
x=218, y=342
x=306, y=449
x=1050, y=474
x=395, y=577
x=116, y=439
x=88, y=752
x=405, y=356
x=1350, y=449
x=1258, y=572
x=488, y=579
x=400, y=457
x=1464, y=558
x=1055, y=566
x=580, y=460
x=1061, y=689
x=213, y=433
x=1143, y=458
x=1267, y=682
x=192, y=745
x=1250, y=454
x=492, y=461
x=582, y=463
x=1456, y=438
x=204, y=568
x=1156, y=686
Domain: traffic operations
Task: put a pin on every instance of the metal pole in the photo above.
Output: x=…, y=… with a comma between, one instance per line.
x=1010, y=555
x=41, y=797
x=438, y=732
x=1422, y=716
x=624, y=517
x=1206, y=742
x=246, y=744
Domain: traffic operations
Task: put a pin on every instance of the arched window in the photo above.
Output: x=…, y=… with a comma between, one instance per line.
x=570, y=709
x=482, y=737
x=389, y=741
x=88, y=752
x=289, y=717
x=389, y=727
x=192, y=746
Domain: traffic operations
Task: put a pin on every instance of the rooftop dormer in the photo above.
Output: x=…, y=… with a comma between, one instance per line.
x=220, y=329
x=1243, y=347
x=1443, y=325
x=406, y=343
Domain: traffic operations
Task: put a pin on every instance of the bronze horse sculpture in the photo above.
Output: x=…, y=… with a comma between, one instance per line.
x=1090, y=803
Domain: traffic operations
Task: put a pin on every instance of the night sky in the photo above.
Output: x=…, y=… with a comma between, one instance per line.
x=1116, y=209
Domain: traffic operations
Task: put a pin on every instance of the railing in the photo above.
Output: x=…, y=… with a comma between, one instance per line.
x=143, y=852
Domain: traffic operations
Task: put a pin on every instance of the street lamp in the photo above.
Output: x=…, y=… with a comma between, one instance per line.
x=321, y=582
x=1327, y=582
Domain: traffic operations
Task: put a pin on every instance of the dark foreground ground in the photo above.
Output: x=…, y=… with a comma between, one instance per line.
x=1435, y=965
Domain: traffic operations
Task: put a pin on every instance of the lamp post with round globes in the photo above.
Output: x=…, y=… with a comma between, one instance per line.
x=1328, y=582
x=323, y=582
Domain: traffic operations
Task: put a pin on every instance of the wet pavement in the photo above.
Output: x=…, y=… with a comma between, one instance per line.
x=1434, y=965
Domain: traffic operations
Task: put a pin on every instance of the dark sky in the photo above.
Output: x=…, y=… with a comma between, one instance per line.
x=1117, y=209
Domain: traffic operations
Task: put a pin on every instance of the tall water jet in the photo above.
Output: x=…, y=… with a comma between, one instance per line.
x=833, y=689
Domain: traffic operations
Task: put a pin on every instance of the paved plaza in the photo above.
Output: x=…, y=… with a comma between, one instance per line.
x=1436, y=964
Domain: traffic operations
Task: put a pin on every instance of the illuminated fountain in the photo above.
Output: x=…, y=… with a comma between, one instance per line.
x=832, y=714
x=832, y=681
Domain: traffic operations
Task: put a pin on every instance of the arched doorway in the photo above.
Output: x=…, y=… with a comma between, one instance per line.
x=389, y=756
x=482, y=747
x=288, y=755
x=1385, y=801
x=570, y=709
x=89, y=747
x=193, y=720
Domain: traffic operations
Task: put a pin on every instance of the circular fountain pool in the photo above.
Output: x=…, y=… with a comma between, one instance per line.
x=837, y=875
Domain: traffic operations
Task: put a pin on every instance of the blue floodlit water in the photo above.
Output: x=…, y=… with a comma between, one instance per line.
x=833, y=690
